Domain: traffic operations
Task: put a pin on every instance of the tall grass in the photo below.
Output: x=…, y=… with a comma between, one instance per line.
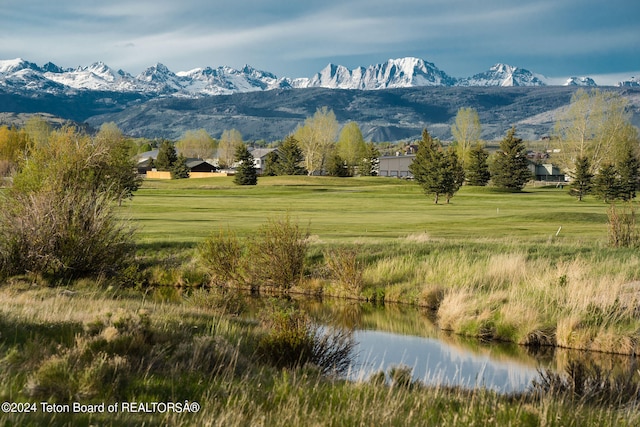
x=123, y=347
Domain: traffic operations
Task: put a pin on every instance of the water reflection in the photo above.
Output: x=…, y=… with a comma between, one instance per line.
x=394, y=335
x=437, y=363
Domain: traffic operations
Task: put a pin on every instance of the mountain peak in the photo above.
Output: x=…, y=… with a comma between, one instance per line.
x=633, y=82
x=580, y=81
x=394, y=73
x=17, y=64
x=503, y=75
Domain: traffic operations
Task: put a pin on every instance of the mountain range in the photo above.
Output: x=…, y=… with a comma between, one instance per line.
x=390, y=101
x=20, y=75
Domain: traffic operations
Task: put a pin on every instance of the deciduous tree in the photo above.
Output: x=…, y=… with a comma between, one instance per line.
x=597, y=126
x=197, y=144
x=351, y=146
x=466, y=132
x=316, y=138
x=228, y=146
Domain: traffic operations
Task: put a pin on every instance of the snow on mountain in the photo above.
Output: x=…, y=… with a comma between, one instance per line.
x=15, y=65
x=395, y=73
x=633, y=82
x=503, y=75
x=158, y=80
x=97, y=76
x=226, y=80
x=19, y=74
x=580, y=81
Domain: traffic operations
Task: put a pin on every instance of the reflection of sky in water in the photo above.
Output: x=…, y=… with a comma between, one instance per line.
x=434, y=362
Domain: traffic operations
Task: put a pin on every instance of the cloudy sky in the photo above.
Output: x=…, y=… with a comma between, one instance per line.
x=557, y=38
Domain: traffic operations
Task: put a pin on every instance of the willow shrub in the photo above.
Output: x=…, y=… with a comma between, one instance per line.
x=278, y=252
x=62, y=234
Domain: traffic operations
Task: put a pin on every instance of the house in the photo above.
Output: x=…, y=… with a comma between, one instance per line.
x=198, y=168
x=396, y=166
x=260, y=157
x=546, y=172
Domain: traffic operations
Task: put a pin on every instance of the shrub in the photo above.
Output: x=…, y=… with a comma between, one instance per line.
x=222, y=256
x=622, y=227
x=344, y=266
x=62, y=234
x=278, y=253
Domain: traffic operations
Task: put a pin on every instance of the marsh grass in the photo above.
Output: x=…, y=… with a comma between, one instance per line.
x=96, y=345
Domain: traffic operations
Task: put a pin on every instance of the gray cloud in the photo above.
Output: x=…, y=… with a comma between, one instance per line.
x=298, y=38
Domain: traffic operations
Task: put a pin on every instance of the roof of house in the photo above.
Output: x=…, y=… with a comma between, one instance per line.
x=259, y=153
x=192, y=163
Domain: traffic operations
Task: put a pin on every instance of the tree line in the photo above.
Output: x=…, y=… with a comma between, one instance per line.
x=598, y=149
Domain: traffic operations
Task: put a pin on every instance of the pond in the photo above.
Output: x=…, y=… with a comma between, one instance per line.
x=405, y=336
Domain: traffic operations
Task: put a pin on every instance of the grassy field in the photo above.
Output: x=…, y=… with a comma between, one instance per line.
x=362, y=209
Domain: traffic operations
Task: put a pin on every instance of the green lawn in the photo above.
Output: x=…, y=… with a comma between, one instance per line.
x=362, y=209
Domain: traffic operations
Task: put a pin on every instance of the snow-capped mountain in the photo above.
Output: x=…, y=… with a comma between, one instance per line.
x=97, y=76
x=580, y=81
x=504, y=75
x=18, y=75
x=633, y=82
x=395, y=73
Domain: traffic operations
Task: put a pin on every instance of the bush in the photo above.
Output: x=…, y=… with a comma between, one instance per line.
x=292, y=340
x=345, y=267
x=62, y=234
x=622, y=227
x=278, y=253
x=222, y=256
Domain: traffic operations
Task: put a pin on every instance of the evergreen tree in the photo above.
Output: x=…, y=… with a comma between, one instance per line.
x=477, y=172
x=453, y=173
x=290, y=158
x=167, y=156
x=510, y=168
x=180, y=170
x=337, y=166
x=606, y=184
x=246, y=173
x=628, y=174
x=370, y=165
x=582, y=178
x=437, y=172
x=271, y=164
